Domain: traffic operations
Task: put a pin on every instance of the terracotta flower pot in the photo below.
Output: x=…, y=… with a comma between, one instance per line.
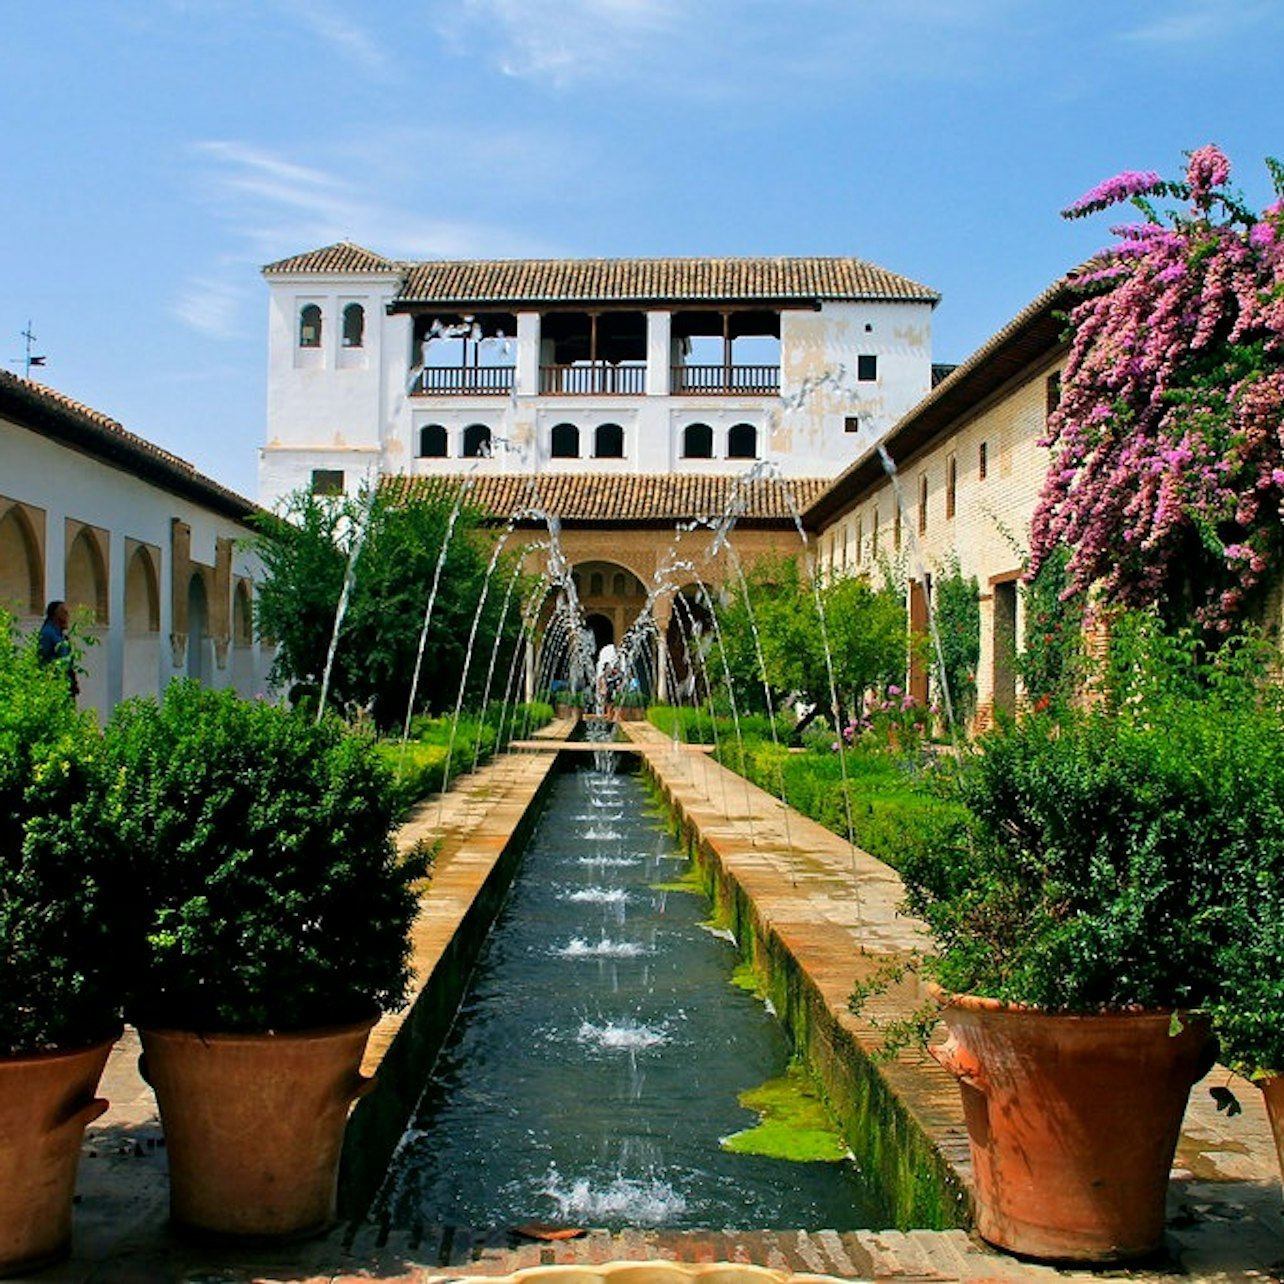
x=45, y=1102
x=254, y=1126
x=1073, y=1122
x=1272, y=1087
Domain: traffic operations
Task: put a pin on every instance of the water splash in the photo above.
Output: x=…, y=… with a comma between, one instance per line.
x=622, y=1036
x=606, y=948
x=639, y=1202
x=365, y=513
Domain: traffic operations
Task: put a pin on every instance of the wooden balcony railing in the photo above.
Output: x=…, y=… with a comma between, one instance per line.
x=433, y=381
x=598, y=378
x=713, y=380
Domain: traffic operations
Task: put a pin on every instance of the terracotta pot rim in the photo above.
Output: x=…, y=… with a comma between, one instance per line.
x=984, y=1003
x=66, y=1050
x=316, y=1032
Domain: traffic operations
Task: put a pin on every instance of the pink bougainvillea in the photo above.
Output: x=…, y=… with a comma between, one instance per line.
x=1167, y=477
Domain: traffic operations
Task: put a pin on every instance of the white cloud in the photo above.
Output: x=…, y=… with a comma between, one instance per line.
x=279, y=207
x=568, y=40
x=212, y=306
x=335, y=29
x=1202, y=22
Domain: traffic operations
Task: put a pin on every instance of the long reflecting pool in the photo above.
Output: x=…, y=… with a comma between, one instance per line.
x=594, y=1067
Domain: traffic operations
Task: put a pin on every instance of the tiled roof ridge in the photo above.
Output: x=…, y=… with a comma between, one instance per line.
x=626, y=498
x=342, y=256
x=108, y=431
x=760, y=277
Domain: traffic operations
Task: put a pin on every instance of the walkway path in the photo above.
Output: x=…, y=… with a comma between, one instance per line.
x=1227, y=1219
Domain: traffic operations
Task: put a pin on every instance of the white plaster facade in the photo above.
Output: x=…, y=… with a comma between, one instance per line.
x=829, y=375
x=155, y=575
x=969, y=470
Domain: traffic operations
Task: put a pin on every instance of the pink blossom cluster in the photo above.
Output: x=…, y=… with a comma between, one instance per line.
x=1167, y=468
x=884, y=711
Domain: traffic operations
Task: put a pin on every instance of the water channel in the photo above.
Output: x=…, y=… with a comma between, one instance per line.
x=595, y=1064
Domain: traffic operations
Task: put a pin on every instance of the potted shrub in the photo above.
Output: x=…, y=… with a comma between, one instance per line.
x=1249, y=1017
x=59, y=925
x=1080, y=910
x=1248, y=1014
x=277, y=929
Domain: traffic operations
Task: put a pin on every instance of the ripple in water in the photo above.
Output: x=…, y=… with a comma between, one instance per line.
x=611, y=862
x=637, y=1203
x=603, y=949
x=594, y=834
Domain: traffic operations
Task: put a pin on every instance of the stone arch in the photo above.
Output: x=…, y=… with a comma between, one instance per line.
x=142, y=593
x=86, y=576
x=603, y=630
x=22, y=580
x=242, y=615
x=198, y=627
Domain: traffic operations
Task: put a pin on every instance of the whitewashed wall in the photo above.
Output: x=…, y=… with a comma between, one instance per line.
x=130, y=657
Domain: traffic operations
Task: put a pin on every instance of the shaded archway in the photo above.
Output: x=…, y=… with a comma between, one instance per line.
x=141, y=674
x=21, y=573
x=687, y=641
x=198, y=627
x=87, y=576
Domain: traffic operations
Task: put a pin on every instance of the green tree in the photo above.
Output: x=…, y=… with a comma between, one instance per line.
x=864, y=628
x=306, y=556
x=958, y=624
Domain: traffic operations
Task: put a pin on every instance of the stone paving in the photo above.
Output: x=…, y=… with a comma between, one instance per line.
x=826, y=900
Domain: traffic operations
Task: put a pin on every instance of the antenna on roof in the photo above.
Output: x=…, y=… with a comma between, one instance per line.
x=30, y=359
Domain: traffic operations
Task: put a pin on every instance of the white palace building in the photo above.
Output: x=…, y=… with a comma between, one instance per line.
x=625, y=367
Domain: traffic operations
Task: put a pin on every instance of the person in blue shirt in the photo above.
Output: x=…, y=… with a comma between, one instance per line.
x=54, y=645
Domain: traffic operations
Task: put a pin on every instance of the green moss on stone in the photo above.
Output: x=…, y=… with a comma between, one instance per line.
x=689, y=882
x=793, y=1122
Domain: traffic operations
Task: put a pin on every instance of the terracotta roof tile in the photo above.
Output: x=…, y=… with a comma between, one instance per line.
x=343, y=257
x=655, y=280
x=517, y=281
x=628, y=499
x=54, y=414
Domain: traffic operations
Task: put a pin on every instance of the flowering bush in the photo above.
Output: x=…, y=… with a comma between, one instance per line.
x=889, y=716
x=1167, y=477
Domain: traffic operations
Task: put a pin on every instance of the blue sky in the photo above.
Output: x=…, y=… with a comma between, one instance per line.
x=156, y=153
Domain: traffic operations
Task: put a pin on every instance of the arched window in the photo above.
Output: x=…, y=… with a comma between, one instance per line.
x=432, y=441
x=617, y=585
x=476, y=440
x=565, y=442
x=697, y=441
x=742, y=442
x=354, y=326
x=310, y=326
x=608, y=441
x=595, y=584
